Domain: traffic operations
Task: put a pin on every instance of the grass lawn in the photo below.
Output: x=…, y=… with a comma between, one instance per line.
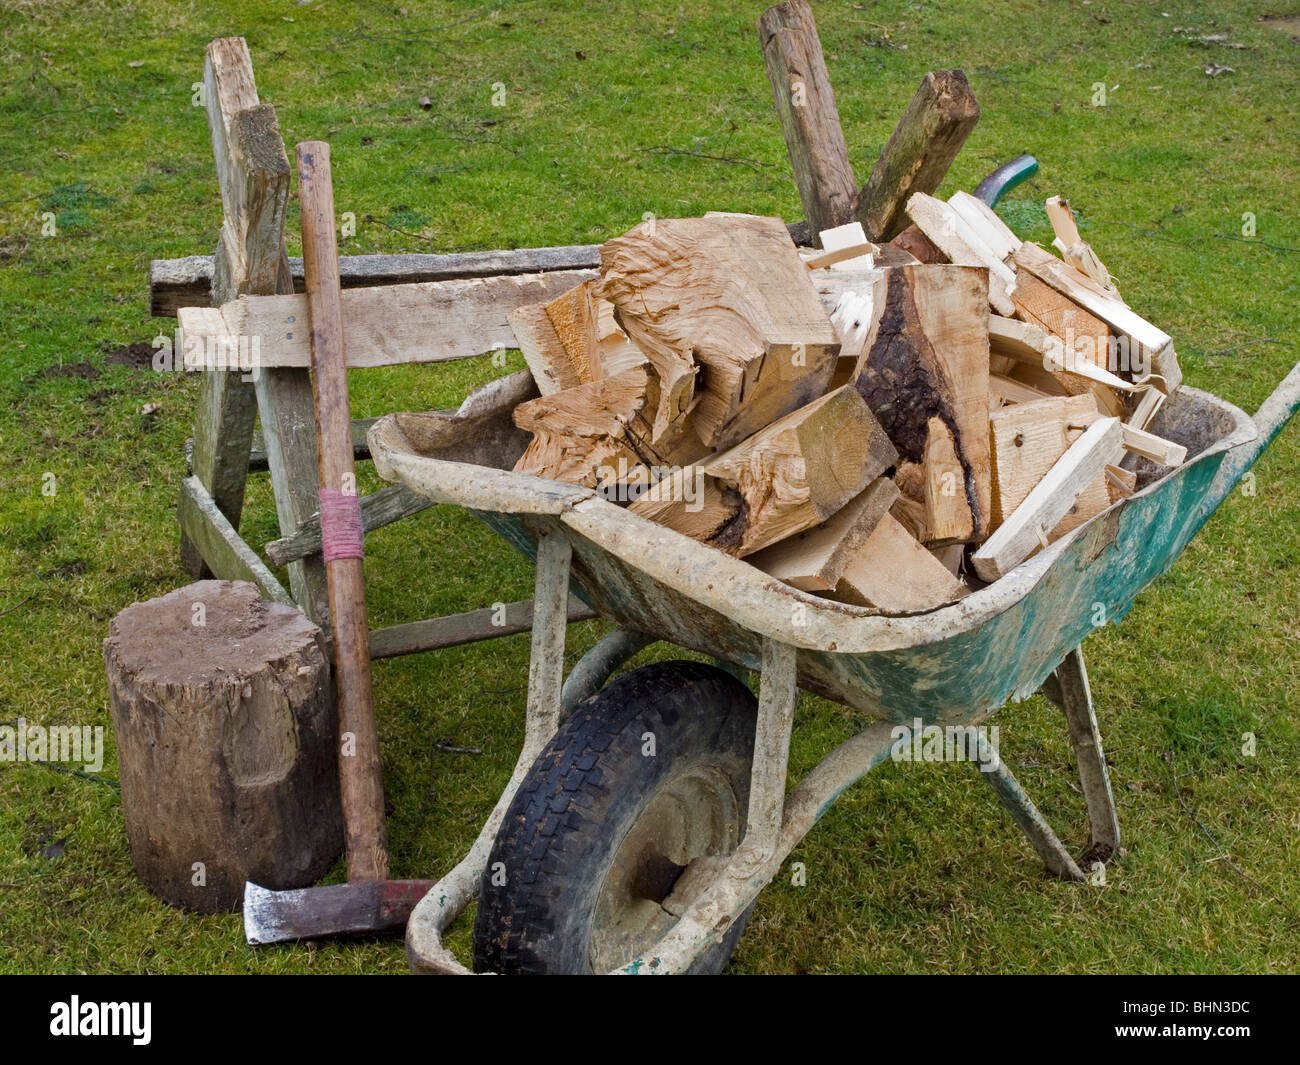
x=662, y=108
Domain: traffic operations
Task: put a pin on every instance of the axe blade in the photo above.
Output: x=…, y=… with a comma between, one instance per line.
x=363, y=907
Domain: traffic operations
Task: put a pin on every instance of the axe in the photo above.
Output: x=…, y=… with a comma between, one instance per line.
x=369, y=901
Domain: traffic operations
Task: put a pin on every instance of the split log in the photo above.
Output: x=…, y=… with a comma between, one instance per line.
x=815, y=560
x=226, y=739
x=918, y=153
x=599, y=434
x=786, y=478
x=924, y=372
x=1027, y=440
x=963, y=246
x=1147, y=349
x=893, y=572
x=730, y=293
x=805, y=103
x=1049, y=501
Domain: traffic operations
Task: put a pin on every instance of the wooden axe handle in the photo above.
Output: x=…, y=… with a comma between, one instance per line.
x=361, y=783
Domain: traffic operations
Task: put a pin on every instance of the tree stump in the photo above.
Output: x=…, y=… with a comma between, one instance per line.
x=226, y=736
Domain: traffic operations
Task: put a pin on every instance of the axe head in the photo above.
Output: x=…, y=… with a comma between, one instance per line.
x=362, y=908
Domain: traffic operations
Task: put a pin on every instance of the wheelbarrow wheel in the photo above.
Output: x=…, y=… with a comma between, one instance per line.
x=588, y=869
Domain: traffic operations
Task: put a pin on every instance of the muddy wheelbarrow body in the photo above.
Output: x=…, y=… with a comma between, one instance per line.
x=952, y=666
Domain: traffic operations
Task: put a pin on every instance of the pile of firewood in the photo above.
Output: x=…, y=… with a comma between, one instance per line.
x=889, y=426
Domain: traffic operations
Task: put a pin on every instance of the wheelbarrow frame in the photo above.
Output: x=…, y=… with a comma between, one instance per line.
x=897, y=665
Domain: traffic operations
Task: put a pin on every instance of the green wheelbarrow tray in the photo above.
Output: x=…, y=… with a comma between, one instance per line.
x=953, y=665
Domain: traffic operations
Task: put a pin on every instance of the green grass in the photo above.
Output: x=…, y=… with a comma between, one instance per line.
x=916, y=869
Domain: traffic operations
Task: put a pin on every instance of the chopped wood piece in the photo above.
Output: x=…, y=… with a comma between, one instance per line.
x=597, y=434
x=1155, y=448
x=1120, y=483
x=1150, y=400
x=918, y=153
x=1073, y=248
x=814, y=560
x=1084, y=336
x=789, y=476
x=542, y=349
x=923, y=371
x=984, y=220
x=1148, y=349
x=1004, y=390
x=1033, y=346
x=574, y=319
x=1049, y=501
x=1027, y=440
x=892, y=571
x=916, y=244
x=910, y=513
x=951, y=557
x=728, y=292
x=950, y=233
x=801, y=88
x=845, y=248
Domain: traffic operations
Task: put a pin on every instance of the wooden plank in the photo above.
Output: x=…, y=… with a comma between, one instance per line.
x=1149, y=401
x=924, y=371
x=815, y=560
x=253, y=175
x=789, y=476
x=389, y=504
x=470, y=627
x=433, y=321
x=918, y=153
x=1026, y=441
x=187, y=282
x=227, y=555
x=984, y=221
x=1083, y=335
x=1155, y=448
x=963, y=246
x=1151, y=349
x=845, y=248
x=1049, y=501
x=730, y=293
x=1004, y=390
x=810, y=122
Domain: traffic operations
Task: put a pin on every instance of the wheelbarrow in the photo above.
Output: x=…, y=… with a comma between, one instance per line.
x=644, y=817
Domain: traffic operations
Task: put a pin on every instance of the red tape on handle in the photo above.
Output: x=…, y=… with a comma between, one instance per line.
x=340, y=524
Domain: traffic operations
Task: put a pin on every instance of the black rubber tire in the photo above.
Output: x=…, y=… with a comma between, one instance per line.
x=575, y=807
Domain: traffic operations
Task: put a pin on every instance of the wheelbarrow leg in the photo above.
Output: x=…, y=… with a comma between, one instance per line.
x=1076, y=701
x=450, y=895
x=1068, y=688
x=1026, y=814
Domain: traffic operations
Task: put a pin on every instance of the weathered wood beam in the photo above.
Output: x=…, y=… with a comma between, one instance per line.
x=805, y=103
x=432, y=321
x=253, y=174
x=227, y=555
x=918, y=153
x=455, y=629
